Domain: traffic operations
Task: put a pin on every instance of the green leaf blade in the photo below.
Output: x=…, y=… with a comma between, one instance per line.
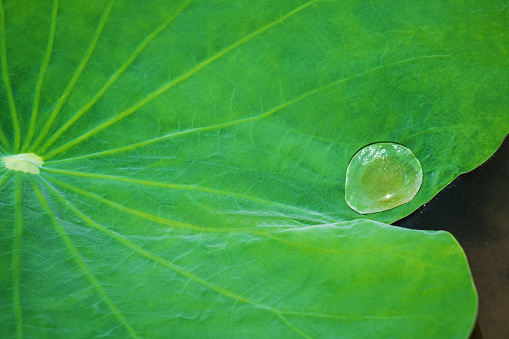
x=194, y=171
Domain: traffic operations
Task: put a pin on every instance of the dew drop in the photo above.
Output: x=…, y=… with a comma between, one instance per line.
x=26, y=162
x=382, y=176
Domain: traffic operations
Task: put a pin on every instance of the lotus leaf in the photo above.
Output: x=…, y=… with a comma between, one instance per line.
x=193, y=157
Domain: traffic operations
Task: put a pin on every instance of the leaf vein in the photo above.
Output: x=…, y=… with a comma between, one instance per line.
x=174, y=267
x=42, y=72
x=7, y=82
x=6, y=175
x=74, y=79
x=79, y=259
x=244, y=120
x=190, y=188
x=113, y=78
x=17, y=258
x=4, y=141
x=174, y=82
x=181, y=225
x=144, y=215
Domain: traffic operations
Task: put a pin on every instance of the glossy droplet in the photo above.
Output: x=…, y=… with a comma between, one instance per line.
x=26, y=162
x=382, y=176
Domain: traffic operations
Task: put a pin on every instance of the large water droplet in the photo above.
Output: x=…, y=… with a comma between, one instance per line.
x=382, y=176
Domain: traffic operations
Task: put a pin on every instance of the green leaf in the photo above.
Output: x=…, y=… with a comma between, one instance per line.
x=195, y=156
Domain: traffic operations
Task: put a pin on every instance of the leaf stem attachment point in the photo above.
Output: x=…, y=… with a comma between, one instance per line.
x=25, y=162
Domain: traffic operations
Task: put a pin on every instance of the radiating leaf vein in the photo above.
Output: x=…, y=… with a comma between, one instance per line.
x=164, y=221
x=7, y=82
x=314, y=215
x=4, y=141
x=112, y=79
x=16, y=256
x=6, y=175
x=40, y=78
x=79, y=259
x=144, y=215
x=172, y=83
x=171, y=266
x=76, y=76
x=222, y=125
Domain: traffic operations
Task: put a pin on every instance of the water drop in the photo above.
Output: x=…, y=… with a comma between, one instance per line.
x=382, y=176
x=26, y=162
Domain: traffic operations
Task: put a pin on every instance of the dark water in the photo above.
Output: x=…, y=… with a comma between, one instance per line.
x=475, y=209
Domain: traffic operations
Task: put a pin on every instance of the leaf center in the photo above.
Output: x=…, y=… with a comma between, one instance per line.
x=25, y=162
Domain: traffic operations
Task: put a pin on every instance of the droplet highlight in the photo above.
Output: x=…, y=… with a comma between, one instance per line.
x=382, y=176
x=26, y=162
